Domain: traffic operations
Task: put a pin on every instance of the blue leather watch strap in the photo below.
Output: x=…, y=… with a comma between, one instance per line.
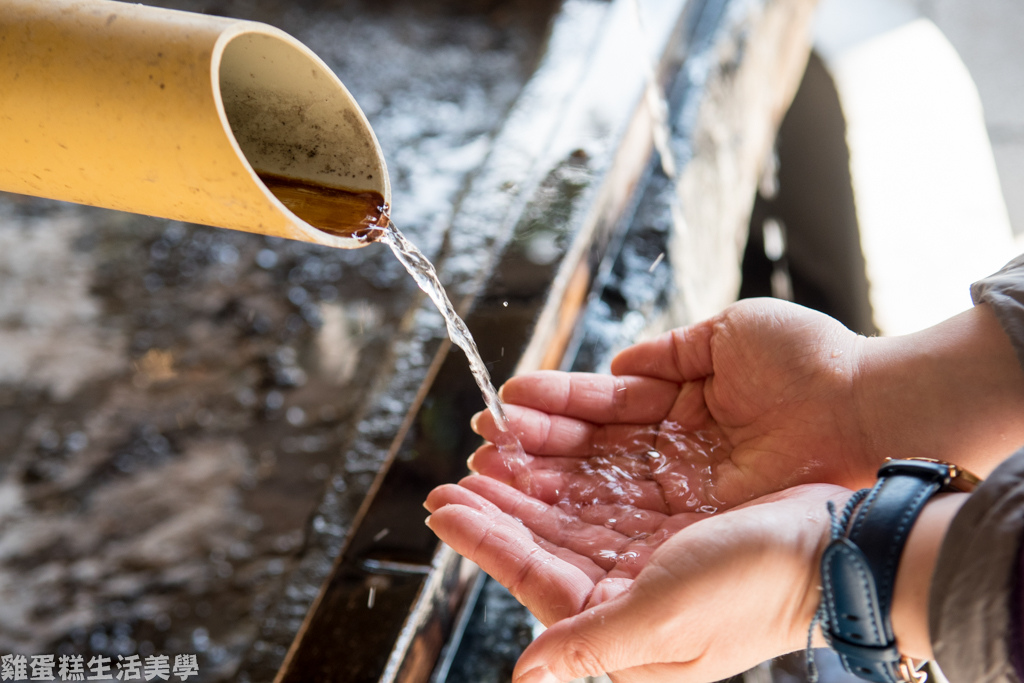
x=859, y=569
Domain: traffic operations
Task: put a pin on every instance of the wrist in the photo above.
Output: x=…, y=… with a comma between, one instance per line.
x=954, y=392
x=914, y=576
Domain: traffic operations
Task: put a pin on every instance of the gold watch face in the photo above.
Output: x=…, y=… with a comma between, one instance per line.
x=963, y=480
x=960, y=479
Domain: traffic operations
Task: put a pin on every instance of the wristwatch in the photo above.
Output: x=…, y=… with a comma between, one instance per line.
x=858, y=568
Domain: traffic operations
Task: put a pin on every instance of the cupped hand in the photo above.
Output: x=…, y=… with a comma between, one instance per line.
x=690, y=597
x=549, y=557
x=756, y=399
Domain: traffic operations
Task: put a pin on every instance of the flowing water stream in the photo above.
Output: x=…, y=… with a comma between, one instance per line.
x=365, y=216
x=423, y=272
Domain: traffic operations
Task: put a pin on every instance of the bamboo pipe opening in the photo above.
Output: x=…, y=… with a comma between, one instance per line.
x=302, y=133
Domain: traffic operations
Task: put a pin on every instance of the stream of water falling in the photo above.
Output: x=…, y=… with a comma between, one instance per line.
x=364, y=215
x=423, y=272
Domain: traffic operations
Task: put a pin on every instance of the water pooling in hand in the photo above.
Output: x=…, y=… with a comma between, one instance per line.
x=671, y=475
x=643, y=488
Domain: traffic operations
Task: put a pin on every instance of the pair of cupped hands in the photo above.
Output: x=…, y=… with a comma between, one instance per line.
x=666, y=521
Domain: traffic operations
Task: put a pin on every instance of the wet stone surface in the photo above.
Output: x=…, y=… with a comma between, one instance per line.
x=176, y=400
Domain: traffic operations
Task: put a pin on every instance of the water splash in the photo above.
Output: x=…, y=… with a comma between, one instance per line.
x=626, y=557
x=661, y=470
x=425, y=275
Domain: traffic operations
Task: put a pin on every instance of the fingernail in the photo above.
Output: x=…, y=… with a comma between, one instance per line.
x=427, y=522
x=474, y=422
x=538, y=675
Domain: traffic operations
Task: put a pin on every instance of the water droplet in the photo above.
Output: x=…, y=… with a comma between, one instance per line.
x=266, y=259
x=200, y=639
x=274, y=400
x=296, y=416
x=76, y=441
x=49, y=440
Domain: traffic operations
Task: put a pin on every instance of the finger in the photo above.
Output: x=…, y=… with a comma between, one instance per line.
x=549, y=587
x=689, y=412
x=539, y=475
x=625, y=480
x=452, y=494
x=542, y=433
x=628, y=520
x=580, y=489
x=628, y=463
x=608, y=589
x=564, y=530
x=601, y=399
x=680, y=355
x=487, y=458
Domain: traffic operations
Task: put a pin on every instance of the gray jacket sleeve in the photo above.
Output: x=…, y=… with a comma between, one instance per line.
x=1004, y=292
x=975, y=610
x=972, y=611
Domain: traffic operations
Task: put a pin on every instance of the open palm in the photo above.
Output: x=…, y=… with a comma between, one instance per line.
x=756, y=399
x=700, y=598
x=549, y=557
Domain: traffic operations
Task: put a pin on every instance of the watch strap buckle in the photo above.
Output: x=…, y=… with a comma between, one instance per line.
x=910, y=672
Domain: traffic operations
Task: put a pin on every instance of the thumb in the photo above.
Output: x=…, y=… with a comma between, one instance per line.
x=599, y=640
x=679, y=355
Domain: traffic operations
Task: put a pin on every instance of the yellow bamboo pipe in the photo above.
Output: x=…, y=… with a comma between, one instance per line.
x=172, y=114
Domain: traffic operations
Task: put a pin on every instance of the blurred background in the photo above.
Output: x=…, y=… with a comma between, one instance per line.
x=924, y=97
x=190, y=418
